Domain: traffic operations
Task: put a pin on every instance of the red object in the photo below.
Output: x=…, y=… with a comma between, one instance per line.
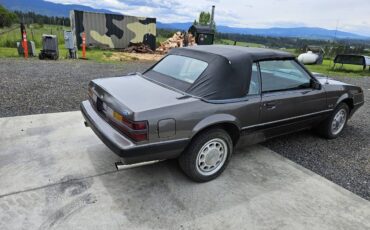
x=137, y=125
x=24, y=44
x=138, y=136
x=83, y=45
x=136, y=130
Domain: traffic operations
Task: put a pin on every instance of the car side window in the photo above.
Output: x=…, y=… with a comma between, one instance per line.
x=254, y=86
x=280, y=75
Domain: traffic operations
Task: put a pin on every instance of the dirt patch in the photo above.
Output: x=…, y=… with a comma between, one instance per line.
x=122, y=56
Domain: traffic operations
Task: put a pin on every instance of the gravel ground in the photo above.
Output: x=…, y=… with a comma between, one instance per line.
x=29, y=87
x=345, y=160
x=33, y=86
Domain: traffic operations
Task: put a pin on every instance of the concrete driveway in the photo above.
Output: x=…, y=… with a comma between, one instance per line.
x=56, y=174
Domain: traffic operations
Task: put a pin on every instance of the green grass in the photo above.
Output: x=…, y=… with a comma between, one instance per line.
x=348, y=70
x=91, y=54
x=8, y=52
x=292, y=51
x=97, y=55
x=160, y=39
x=34, y=33
x=230, y=42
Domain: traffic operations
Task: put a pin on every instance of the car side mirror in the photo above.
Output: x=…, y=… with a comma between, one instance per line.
x=315, y=85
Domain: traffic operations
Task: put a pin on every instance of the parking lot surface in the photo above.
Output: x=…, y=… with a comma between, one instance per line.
x=56, y=174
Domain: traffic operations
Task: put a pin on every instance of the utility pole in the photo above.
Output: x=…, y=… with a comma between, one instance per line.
x=212, y=17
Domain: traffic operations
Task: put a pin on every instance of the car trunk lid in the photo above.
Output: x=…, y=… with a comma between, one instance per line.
x=133, y=94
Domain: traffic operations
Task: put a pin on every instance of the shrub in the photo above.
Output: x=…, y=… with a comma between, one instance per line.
x=9, y=43
x=7, y=18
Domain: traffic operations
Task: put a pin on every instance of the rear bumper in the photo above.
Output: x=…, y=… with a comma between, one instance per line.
x=124, y=147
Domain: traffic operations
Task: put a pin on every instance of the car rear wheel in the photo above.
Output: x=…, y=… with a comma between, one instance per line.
x=207, y=155
x=333, y=126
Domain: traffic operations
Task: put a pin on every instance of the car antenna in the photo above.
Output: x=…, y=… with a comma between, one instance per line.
x=328, y=71
x=331, y=60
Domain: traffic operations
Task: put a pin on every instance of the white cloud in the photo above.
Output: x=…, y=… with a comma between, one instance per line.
x=351, y=16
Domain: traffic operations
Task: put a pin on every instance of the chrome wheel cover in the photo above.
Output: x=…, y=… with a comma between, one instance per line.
x=339, y=121
x=211, y=157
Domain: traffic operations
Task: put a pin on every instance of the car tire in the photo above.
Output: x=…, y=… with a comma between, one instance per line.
x=333, y=126
x=207, y=155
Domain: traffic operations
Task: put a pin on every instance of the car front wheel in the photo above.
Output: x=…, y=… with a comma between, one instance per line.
x=333, y=126
x=207, y=155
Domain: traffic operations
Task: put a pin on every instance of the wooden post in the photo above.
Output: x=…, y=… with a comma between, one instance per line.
x=83, y=45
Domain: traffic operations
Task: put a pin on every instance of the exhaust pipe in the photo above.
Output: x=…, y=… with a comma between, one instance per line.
x=122, y=166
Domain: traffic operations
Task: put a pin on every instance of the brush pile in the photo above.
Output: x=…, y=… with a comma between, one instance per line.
x=138, y=48
x=177, y=40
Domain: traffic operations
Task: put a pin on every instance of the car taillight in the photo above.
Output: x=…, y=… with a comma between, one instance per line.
x=138, y=136
x=136, y=130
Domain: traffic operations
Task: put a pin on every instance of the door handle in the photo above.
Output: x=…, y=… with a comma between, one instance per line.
x=269, y=105
x=306, y=92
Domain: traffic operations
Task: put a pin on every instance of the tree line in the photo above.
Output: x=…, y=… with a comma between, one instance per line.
x=31, y=18
x=7, y=18
x=295, y=43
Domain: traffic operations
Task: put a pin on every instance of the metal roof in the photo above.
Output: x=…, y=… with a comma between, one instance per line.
x=201, y=29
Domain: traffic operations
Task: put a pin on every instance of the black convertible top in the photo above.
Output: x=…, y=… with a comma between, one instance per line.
x=238, y=52
x=228, y=73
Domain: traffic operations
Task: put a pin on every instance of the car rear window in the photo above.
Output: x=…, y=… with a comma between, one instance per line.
x=181, y=68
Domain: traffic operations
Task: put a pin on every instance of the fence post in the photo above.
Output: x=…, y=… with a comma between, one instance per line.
x=24, y=41
x=83, y=45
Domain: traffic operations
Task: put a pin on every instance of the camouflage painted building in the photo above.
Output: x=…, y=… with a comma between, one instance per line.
x=112, y=30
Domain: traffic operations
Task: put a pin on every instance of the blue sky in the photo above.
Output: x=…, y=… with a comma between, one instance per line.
x=351, y=16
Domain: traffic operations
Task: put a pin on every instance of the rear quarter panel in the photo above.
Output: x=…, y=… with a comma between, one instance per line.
x=195, y=115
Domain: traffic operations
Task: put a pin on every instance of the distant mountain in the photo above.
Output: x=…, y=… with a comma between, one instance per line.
x=54, y=9
x=46, y=8
x=299, y=32
x=175, y=26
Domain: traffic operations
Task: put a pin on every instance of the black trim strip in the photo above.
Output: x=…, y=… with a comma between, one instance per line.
x=286, y=119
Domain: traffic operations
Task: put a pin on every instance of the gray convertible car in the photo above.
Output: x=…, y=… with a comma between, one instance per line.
x=198, y=104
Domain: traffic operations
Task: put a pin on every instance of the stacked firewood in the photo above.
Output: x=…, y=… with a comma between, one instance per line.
x=177, y=40
x=138, y=48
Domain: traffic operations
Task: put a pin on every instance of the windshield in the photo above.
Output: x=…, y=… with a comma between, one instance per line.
x=181, y=68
